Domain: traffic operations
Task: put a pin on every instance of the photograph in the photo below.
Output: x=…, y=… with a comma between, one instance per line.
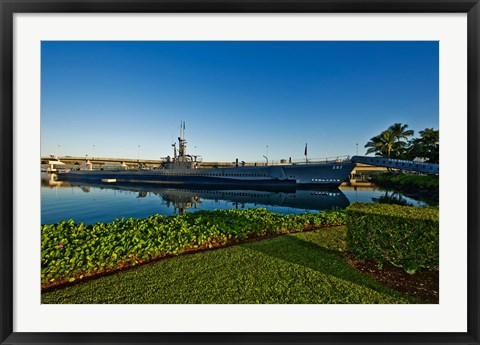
x=239, y=172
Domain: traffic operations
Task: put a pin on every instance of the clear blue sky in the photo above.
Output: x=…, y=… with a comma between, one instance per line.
x=107, y=98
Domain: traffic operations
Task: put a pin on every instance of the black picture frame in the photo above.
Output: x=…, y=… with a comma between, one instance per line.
x=9, y=7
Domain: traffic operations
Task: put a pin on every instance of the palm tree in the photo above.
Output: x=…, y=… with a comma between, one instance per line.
x=400, y=131
x=382, y=145
x=401, y=137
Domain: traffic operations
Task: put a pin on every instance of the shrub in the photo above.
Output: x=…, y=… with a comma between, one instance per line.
x=428, y=181
x=72, y=250
x=404, y=236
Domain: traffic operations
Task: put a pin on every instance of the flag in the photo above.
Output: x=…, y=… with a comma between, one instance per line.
x=305, y=150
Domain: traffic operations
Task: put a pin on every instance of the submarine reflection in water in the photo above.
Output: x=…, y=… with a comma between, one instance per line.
x=184, y=198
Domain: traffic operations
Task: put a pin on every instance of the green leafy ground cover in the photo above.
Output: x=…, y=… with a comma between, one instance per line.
x=73, y=251
x=303, y=267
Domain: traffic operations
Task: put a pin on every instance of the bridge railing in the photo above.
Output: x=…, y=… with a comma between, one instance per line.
x=335, y=159
x=327, y=160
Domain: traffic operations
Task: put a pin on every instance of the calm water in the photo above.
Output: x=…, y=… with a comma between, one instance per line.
x=104, y=203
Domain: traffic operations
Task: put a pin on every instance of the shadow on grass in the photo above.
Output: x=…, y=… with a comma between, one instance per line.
x=313, y=256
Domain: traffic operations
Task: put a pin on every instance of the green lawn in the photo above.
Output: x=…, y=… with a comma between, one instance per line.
x=296, y=268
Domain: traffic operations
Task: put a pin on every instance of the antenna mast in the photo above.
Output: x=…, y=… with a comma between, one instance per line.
x=182, y=143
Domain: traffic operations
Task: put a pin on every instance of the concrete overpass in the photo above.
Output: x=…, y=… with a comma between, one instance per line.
x=98, y=162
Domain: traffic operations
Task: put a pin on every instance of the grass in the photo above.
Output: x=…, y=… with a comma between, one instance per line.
x=296, y=268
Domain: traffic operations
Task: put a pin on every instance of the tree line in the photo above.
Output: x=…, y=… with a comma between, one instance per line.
x=398, y=142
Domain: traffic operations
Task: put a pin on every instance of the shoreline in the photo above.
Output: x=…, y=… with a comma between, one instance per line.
x=421, y=187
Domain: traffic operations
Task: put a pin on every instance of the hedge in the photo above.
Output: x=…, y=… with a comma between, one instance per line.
x=403, y=236
x=73, y=250
x=427, y=181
